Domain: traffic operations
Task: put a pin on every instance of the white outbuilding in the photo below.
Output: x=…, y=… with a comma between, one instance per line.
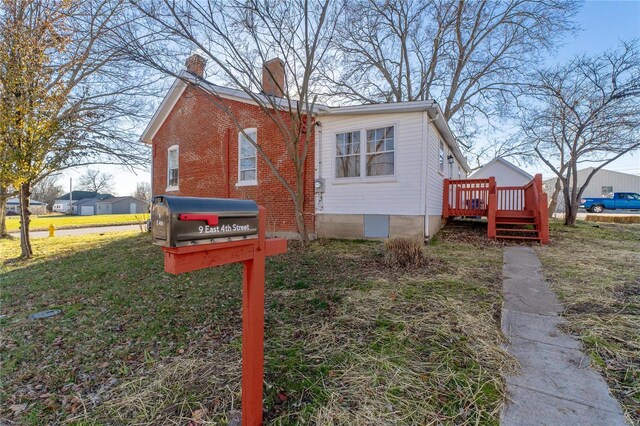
x=506, y=173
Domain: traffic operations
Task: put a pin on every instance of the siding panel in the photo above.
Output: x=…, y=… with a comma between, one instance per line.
x=401, y=195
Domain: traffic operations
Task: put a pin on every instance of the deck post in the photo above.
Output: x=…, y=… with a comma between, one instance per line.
x=491, y=215
x=544, y=219
x=445, y=199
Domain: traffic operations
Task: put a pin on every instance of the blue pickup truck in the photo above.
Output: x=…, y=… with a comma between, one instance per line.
x=619, y=201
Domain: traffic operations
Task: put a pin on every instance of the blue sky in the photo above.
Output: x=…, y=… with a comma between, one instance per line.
x=603, y=24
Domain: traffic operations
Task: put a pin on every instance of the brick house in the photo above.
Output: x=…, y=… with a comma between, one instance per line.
x=197, y=148
x=373, y=171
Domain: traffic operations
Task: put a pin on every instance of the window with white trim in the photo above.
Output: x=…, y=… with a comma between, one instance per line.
x=450, y=165
x=348, y=154
x=247, y=158
x=459, y=173
x=441, y=157
x=380, y=151
x=173, y=164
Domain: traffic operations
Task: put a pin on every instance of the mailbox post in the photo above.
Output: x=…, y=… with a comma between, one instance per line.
x=198, y=233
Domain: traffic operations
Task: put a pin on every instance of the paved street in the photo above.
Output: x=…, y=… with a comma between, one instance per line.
x=82, y=231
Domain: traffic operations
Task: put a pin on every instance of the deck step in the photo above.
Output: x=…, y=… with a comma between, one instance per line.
x=517, y=230
x=517, y=237
x=515, y=223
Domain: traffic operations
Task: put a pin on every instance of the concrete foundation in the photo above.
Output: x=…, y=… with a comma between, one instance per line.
x=434, y=223
x=351, y=226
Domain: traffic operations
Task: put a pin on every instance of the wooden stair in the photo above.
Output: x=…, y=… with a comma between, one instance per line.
x=517, y=227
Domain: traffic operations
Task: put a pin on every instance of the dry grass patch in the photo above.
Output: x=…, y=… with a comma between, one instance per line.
x=612, y=219
x=349, y=340
x=595, y=269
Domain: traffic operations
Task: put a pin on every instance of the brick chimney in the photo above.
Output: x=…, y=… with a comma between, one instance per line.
x=273, y=77
x=195, y=65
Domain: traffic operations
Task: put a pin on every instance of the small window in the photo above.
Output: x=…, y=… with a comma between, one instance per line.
x=450, y=166
x=441, y=157
x=459, y=173
x=607, y=191
x=172, y=167
x=247, y=158
x=348, y=154
x=380, y=152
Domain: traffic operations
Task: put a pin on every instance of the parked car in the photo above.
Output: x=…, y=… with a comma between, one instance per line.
x=619, y=201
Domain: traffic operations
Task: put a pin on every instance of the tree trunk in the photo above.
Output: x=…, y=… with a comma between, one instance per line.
x=25, y=242
x=299, y=212
x=553, y=203
x=570, y=210
x=3, y=213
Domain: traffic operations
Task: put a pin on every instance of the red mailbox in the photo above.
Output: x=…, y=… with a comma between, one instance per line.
x=210, y=244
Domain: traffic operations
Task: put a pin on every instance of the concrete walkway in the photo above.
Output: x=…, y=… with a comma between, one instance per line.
x=555, y=385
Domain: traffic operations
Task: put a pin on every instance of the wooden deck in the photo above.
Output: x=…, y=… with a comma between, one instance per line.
x=513, y=212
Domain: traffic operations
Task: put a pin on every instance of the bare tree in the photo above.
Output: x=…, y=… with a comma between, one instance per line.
x=585, y=111
x=47, y=190
x=143, y=191
x=96, y=181
x=69, y=95
x=468, y=55
x=237, y=37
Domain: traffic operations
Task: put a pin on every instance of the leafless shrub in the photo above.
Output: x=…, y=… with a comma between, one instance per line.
x=404, y=252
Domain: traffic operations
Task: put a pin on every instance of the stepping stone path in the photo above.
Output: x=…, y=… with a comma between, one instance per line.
x=555, y=385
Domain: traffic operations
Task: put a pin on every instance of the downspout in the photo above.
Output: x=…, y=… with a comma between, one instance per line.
x=227, y=166
x=426, y=188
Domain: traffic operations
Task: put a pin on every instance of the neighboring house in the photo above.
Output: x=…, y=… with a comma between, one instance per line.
x=35, y=207
x=122, y=205
x=378, y=169
x=603, y=184
x=85, y=207
x=63, y=203
x=506, y=173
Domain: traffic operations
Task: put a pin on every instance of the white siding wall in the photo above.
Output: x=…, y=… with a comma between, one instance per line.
x=435, y=178
x=505, y=175
x=401, y=194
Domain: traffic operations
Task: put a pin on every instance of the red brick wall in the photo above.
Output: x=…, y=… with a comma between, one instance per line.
x=208, y=158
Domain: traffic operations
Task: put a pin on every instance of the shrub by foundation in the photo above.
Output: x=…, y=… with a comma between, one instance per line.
x=404, y=252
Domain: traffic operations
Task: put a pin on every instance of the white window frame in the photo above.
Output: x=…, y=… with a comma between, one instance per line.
x=249, y=182
x=441, y=157
x=335, y=155
x=450, y=164
x=364, y=178
x=172, y=148
x=366, y=153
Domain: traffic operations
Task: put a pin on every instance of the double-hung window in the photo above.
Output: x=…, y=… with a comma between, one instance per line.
x=247, y=158
x=348, y=154
x=441, y=158
x=172, y=167
x=380, y=155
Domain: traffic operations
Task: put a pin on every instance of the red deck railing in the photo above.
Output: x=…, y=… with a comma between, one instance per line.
x=466, y=197
x=481, y=197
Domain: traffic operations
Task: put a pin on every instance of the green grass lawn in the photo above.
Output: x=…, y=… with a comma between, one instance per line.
x=348, y=340
x=41, y=223
x=595, y=269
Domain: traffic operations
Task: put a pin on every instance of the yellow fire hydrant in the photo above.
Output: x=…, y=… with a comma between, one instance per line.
x=52, y=230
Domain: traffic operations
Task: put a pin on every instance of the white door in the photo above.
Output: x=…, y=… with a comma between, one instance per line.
x=132, y=208
x=86, y=211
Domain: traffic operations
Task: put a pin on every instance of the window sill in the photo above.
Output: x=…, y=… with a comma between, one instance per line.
x=247, y=183
x=172, y=188
x=368, y=179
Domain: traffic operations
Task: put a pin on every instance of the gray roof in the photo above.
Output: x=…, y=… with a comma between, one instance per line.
x=15, y=201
